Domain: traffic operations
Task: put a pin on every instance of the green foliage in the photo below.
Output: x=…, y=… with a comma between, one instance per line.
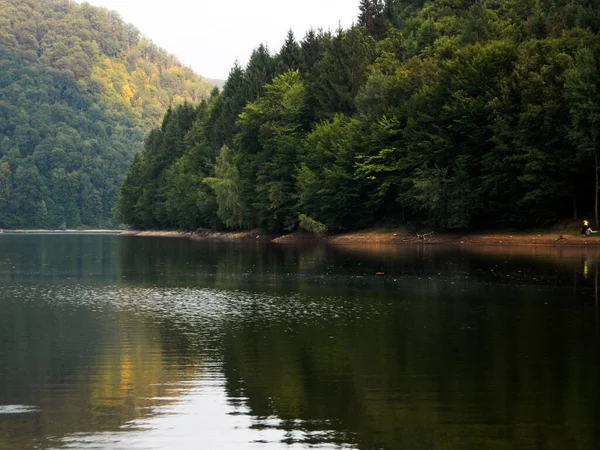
x=262, y=67
x=582, y=85
x=270, y=134
x=343, y=70
x=311, y=225
x=181, y=190
x=290, y=54
x=79, y=89
x=151, y=197
x=328, y=189
x=227, y=187
x=459, y=114
x=583, y=95
x=449, y=200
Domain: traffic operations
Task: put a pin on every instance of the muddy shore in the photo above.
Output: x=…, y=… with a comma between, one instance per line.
x=547, y=238
x=41, y=231
x=371, y=236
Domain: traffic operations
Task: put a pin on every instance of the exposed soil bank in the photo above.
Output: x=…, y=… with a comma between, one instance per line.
x=375, y=236
x=208, y=235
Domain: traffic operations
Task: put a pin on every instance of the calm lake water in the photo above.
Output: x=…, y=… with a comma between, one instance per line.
x=111, y=342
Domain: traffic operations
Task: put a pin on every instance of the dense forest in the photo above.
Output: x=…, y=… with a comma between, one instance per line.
x=453, y=113
x=79, y=91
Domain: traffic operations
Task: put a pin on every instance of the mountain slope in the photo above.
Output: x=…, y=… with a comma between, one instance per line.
x=79, y=90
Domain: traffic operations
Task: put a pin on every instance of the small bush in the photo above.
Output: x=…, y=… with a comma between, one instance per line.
x=311, y=225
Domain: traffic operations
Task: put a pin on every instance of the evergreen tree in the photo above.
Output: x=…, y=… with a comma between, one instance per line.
x=290, y=55
x=259, y=72
x=229, y=105
x=312, y=49
x=270, y=135
x=343, y=70
x=372, y=15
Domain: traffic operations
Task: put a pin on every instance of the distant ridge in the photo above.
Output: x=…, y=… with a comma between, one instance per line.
x=216, y=82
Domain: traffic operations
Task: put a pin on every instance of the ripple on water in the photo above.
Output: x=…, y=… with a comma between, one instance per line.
x=17, y=409
x=198, y=306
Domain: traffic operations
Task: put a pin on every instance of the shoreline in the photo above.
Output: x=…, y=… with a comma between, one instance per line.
x=375, y=236
x=40, y=231
x=369, y=236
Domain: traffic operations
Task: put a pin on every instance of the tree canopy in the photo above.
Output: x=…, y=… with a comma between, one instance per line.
x=457, y=114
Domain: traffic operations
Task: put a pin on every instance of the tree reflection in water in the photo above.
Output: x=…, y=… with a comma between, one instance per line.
x=366, y=347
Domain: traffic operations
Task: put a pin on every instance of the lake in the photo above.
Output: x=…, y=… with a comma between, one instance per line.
x=115, y=342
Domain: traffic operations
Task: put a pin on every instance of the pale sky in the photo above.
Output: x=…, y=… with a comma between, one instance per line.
x=209, y=36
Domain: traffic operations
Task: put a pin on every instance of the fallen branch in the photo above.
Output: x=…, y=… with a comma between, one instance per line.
x=425, y=236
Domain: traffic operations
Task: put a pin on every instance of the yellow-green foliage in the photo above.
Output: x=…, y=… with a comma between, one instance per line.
x=128, y=73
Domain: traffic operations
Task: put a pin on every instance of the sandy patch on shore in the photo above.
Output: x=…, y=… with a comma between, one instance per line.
x=206, y=235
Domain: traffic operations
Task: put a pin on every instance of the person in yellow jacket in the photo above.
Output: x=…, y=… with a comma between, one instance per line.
x=586, y=229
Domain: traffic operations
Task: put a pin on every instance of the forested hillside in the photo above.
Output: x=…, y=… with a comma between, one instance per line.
x=456, y=113
x=79, y=91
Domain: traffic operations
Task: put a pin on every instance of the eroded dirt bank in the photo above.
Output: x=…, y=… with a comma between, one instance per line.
x=384, y=237
x=207, y=235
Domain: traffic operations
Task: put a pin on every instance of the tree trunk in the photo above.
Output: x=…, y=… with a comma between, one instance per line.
x=596, y=297
x=596, y=196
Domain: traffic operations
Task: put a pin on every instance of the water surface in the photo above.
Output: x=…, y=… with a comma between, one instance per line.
x=145, y=343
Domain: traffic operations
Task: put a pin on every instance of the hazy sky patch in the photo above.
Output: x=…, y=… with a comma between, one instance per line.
x=210, y=36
